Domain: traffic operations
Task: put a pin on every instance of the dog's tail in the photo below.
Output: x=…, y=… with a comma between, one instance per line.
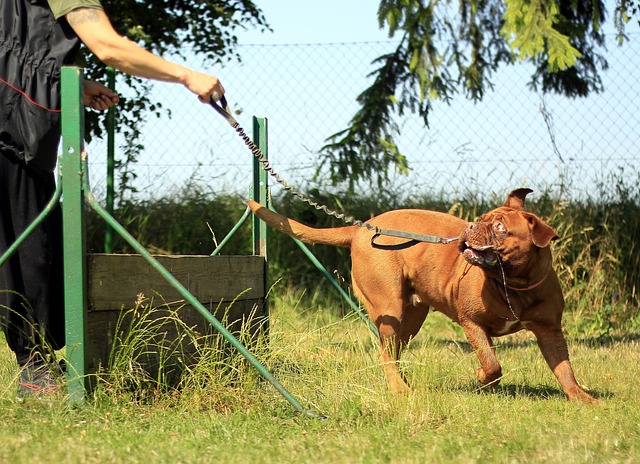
x=340, y=236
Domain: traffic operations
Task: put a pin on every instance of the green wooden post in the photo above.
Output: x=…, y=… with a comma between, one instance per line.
x=73, y=232
x=260, y=193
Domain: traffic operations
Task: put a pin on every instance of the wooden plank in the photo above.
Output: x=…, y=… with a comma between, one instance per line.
x=115, y=281
x=230, y=287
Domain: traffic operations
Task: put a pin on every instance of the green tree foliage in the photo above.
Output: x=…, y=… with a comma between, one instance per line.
x=165, y=26
x=446, y=48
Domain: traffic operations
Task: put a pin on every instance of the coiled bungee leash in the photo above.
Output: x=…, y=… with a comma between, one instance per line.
x=412, y=238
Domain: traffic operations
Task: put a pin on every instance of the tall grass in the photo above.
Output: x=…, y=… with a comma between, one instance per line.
x=156, y=354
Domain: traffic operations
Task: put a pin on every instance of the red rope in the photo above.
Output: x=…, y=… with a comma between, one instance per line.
x=29, y=99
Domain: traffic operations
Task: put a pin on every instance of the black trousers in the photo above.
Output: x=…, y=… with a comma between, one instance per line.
x=31, y=282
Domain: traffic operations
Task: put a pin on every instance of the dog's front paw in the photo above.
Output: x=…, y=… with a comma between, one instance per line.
x=580, y=396
x=492, y=378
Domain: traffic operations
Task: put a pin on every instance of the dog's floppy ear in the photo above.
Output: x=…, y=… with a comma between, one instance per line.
x=541, y=233
x=516, y=198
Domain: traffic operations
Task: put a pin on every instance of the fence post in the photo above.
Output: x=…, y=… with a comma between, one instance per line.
x=260, y=187
x=73, y=232
x=260, y=193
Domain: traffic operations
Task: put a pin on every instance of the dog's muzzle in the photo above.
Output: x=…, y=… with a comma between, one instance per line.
x=477, y=245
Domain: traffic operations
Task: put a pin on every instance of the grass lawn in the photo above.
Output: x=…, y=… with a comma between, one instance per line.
x=331, y=367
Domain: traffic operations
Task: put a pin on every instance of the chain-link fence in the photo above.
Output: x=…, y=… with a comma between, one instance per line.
x=514, y=137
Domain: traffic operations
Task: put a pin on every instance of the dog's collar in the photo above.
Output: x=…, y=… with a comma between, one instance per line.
x=530, y=287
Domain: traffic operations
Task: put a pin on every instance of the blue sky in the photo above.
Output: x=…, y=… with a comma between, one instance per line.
x=330, y=21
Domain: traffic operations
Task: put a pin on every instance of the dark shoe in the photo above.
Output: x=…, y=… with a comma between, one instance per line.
x=37, y=378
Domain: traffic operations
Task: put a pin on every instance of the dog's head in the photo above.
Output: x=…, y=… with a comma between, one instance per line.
x=508, y=234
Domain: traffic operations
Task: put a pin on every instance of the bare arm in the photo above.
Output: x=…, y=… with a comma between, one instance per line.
x=94, y=29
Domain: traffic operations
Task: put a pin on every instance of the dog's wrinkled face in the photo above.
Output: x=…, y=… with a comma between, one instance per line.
x=507, y=234
x=479, y=243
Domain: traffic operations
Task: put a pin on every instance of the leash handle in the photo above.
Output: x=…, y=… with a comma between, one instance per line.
x=223, y=110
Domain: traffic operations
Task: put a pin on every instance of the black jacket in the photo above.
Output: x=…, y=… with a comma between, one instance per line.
x=33, y=48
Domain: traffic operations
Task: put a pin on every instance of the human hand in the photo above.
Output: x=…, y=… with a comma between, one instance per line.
x=98, y=96
x=206, y=86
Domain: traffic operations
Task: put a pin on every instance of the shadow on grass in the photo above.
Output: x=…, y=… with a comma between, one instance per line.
x=607, y=341
x=516, y=391
x=591, y=342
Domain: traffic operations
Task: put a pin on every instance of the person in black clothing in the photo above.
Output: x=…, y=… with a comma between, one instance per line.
x=38, y=37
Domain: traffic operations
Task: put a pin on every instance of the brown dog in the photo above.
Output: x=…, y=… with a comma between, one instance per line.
x=497, y=281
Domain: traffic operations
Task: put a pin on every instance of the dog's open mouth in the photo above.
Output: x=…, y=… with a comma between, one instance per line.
x=485, y=256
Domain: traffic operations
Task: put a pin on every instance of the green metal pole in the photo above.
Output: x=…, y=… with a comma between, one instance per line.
x=235, y=228
x=260, y=186
x=73, y=233
x=260, y=193
x=111, y=124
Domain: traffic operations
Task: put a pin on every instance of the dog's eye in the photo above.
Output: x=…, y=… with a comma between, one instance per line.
x=500, y=227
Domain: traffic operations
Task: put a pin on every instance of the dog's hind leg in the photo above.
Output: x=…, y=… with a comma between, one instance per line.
x=388, y=324
x=381, y=292
x=395, y=332
x=390, y=348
